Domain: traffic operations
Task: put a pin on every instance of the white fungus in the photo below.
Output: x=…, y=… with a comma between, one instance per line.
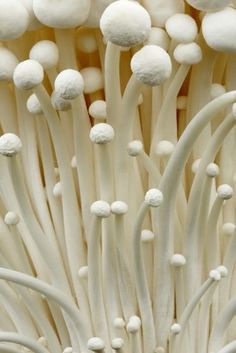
x=117, y=343
x=93, y=79
x=195, y=165
x=215, y=275
x=33, y=105
x=8, y=63
x=212, y=170
x=100, y=209
x=95, y=344
x=61, y=14
x=147, y=236
x=46, y=53
x=219, y=30
x=181, y=28
x=188, y=54
x=164, y=148
x=57, y=189
x=134, y=148
x=125, y=23
x=98, y=110
x=217, y=90
x=34, y=23
x=208, y=5
x=151, y=65
x=153, y=197
x=101, y=133
x=225, y=191
x=11, y=218
x=119, y=323
x=14, y=19
x=158, y=36
x=134, y=324
x=119, y=208
x=83, y=272
x=28, y=74
x=178, y=260
x=228, y=229
x=68, y=350
x=223, y=271
x=69, y=84
x=73, y=162
x=175, y=328
x=10, y=144
x=60, y=103
x=86, y=40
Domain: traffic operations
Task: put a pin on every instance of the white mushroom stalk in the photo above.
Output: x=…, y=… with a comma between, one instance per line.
x=117, y=176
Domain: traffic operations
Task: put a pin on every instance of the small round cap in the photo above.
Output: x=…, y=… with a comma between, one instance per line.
x=134, y=324
x=178, y=260
x=125, y=23
x=33, y=105
x=188, y=54
x=83, y=272
x=175, y=328
x=181, y=28
x=154, y=197
x=228, y=229
x=164, y=148
x=86, y=40
x=119, y=208
x=135, y=148
x=98, y=110
x=57, y=189
x=95, y=344
x=101, y=209
x=28, y=74
x=119, y=323
x=212, y=170
x=69, y=84
x=151, y=65
x=60, y=103
x=117, y=343
x=46, y=53
x=93, y=79
x=147, y=236
x=8, y=63
x=219, y=30
x=215, y=275
x=223, y=271
x=14, y=19
x=158, y=36
x=68, y=350
x=11, y=218
x=101, y=133
x=10, y=144
x=225, y=191
x=195, y=165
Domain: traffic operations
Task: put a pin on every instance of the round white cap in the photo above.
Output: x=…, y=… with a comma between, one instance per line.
x=83, y=272
x=60, y=103
x=101, y=133
x=225, y=191
x=10, y=144
x=181, y=28
x=11, y=218
x=215, y=275
x=119, y=208
x=101, y=209
x=178, y=260
x=134, y=148
x=208, y=5
x=119, y=323
x=147, y=236
x=154, y=197
x=175, y=328
x=69, y=84
x=158, y=36
x=28, y=74
x=86, y=40
x=219, y=30
x=151, y=65
x=117, y=343
x=195, y=165
x=212, y=170
x=8, y=63
x=98, y=110
x=57, y=189
x=33, y=105
x=164, y=148
x=46, y=53
x=93, y=79
x=95, y=344
x=14, y=19
x=125, y=23
x=61, y=14
x=68, y=350
x=188, y=54
x=228, y=229
x=223, y=271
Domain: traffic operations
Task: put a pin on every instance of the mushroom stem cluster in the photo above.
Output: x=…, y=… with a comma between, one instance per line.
x=117, y=182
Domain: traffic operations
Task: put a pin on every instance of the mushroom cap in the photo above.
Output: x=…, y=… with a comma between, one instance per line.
x=11, y=218
x=8, y=63
x=153, y=197
x=125, y=23
x=100, y=209
x=98, y=109
x=225, y=191
x=188, y=54
x=182, y=28
x=101, y=133
x=14, y=19
x=10, y=144
x=178, y=260
x=164, y=148
x=60, y=103
x=119, y=208
x=147, y=236
x=134, y=148
x=93, y=79
x=95, y=344
x=69, y=84
x=46, y=53
x=158, y=36
x=208, y=5
x=219, y=30
x=33, y=105
x=151, y=65
x=86, y=40
x=63, y=13
x=34, y=23
x=28, y=74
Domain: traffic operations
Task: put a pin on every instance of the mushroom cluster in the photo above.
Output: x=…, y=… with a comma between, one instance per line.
x=117, y=176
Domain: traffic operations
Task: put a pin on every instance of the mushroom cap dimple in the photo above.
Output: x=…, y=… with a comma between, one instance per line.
x=219, y=30
x=151, y=65
x=61, y=14
x=125, y=23
x=10, y=144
